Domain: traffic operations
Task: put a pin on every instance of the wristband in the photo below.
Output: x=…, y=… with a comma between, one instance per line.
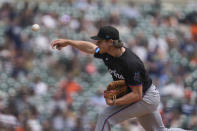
x=97, y=50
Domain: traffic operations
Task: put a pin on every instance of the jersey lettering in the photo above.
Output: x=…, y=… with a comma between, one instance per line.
x=114, y=73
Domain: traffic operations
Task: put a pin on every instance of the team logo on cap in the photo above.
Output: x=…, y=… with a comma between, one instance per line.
x=107, y=37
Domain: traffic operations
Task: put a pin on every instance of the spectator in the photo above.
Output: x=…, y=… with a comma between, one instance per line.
x=40, y=88
x=70, y=87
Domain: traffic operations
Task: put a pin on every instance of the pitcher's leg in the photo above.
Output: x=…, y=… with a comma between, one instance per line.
x=100, y=126
x=135, y=110
x=102, y=120
x=152, y=122
x=117, y=114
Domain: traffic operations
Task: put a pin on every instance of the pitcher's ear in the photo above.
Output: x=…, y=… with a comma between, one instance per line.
x=110, y=42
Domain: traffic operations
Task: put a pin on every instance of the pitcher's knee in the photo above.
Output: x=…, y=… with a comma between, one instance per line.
x=104, y=117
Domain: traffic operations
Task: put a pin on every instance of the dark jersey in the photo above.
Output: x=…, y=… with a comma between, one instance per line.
x=127, y=67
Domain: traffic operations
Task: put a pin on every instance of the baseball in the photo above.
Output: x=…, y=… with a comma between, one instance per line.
x=35, y=27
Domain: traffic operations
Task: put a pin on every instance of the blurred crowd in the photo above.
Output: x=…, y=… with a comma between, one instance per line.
x=48, y=90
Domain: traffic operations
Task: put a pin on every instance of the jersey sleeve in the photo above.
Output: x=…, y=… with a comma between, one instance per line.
x=133, y=77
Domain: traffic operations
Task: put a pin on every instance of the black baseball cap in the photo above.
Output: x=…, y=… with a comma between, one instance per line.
x=107, y=33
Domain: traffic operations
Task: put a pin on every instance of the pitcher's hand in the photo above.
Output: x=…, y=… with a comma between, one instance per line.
x=59, y=43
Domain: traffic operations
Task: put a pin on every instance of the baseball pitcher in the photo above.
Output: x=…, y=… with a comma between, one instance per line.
x=132, y=93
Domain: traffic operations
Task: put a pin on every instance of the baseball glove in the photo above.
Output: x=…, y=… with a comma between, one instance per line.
x=116, y=89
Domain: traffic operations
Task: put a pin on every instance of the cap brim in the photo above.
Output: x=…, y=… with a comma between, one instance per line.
x=96, y=38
